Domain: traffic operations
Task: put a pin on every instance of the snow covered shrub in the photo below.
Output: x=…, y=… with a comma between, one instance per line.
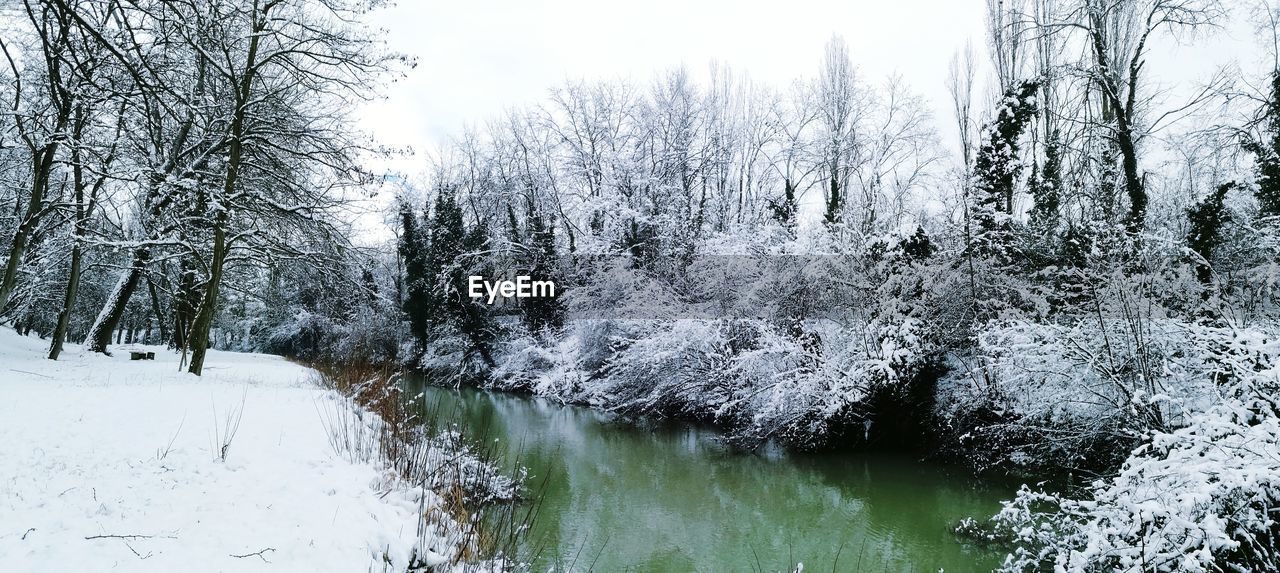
x=595, y=342
x=667, y=368
x=305, y=335
x=856, y=378
x=801, y=384
x=450, y=358
x=1202, y=497
x=750, y=341
x=316, y=313
x=543, y=365
x=302, y=334
x=370, y=335
x=1081, y=394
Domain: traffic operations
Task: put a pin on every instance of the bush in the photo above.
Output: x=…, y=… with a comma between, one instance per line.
x=1202, y=497
x=1083, y=395
x=805, y=384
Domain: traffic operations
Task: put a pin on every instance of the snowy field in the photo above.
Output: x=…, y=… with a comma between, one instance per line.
x=108, y=464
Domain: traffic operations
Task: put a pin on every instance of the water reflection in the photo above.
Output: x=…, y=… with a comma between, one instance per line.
x=671, y=498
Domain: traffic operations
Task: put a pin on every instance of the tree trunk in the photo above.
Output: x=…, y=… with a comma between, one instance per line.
x=42, y=167
x=199, y=338
x=99, y=336
x=155, y=310
x=1132, y=179
x=185, y=303
x=68, y=302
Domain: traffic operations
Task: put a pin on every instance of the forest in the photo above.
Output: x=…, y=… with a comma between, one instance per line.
x=1067, y=279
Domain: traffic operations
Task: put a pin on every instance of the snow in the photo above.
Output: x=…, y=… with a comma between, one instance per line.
x=750, y=376
x=104, y=446
x=1197, y=497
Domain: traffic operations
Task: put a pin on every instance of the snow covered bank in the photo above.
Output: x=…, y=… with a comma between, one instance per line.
x=112, y=464
x=1198, y=494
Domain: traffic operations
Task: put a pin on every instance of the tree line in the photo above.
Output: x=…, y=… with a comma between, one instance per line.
x=153, y=149
x=1064, y=161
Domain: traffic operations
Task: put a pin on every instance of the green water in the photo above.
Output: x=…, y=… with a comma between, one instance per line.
x=671, y=498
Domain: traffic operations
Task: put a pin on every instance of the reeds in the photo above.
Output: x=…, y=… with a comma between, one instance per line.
x=468, y=508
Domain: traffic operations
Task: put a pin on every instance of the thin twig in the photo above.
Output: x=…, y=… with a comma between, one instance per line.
x=257, y=554
x=130, y=537
x=31, y=373
x=135, y=551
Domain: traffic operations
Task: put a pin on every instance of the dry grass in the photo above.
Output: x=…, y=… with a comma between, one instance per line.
x=474, y=506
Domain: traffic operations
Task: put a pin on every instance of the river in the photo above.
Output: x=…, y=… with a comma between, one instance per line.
x=671, y=498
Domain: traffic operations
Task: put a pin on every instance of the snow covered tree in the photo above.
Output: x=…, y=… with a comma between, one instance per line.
x=290, y=68
x=540, y=264
x=45, y=96
x=417, y=282
x=1207, y=218
x=1266, y=151
x=996, y=169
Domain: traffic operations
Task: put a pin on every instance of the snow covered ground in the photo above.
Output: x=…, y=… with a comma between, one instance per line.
x=111, y=464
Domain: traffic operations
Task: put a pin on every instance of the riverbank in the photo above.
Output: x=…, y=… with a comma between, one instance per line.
x=118, y=464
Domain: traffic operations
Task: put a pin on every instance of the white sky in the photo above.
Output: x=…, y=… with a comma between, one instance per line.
x=478, y=57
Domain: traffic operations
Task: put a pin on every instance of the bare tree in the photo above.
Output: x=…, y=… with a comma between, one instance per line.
x=1118, y=37
x=44, y=98
x=899, y=155
x=961, y=79
x=1006, y=38
x=842, y=103
x=291, y=69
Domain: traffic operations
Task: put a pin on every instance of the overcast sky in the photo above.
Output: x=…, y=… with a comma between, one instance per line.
x=478, y=57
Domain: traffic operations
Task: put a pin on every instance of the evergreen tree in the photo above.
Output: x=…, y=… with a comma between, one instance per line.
x=369, y=284
x=1077, y=243
x=447, y=233
x=453, y=254
x=417, y=283
x=472, y=316
x=835, y=203
x=917, y=248
x=1267, y=154
x=1207, y=217
x=1046, y=188
x=542, y=313
x=996, y=170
